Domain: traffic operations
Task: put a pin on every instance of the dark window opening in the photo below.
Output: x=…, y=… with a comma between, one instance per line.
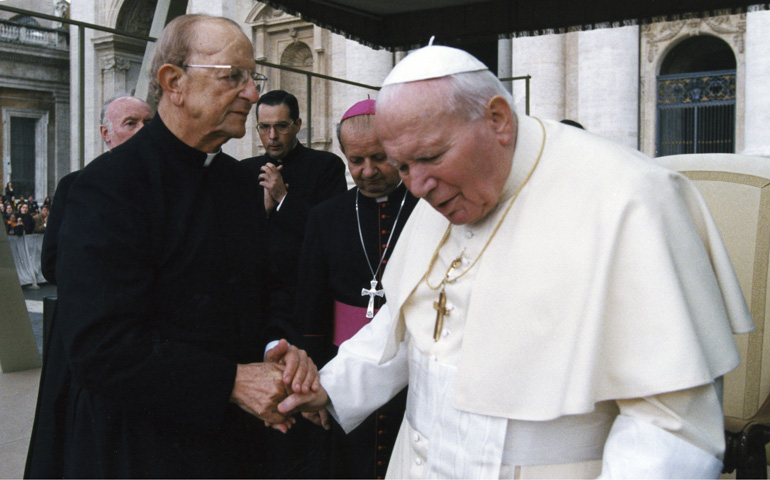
x=23, y=155
x=696, y=98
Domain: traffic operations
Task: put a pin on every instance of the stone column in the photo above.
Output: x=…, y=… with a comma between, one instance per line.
x=542, y=57
x=114, y=72
x=505, y=61
x=61, y=158
x=605, y=99
x=86, y=12
x=757, y=126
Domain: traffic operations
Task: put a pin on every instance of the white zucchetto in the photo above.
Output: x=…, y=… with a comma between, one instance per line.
x=433, y=61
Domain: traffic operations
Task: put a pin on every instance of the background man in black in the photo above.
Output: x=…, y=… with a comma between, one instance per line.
x=161, y=309
x=121, y=118
x=295, y=178
x=347, y=246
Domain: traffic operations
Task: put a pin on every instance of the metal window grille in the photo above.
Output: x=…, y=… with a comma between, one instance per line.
x=696, y=113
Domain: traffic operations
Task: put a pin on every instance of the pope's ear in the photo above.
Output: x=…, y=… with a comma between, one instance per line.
x=171, y=79
x=501, y=119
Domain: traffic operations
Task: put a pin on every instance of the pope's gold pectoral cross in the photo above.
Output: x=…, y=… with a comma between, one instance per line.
x=440, y=306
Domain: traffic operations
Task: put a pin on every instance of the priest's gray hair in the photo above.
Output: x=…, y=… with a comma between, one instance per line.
x=467, y=94
x=174, y=45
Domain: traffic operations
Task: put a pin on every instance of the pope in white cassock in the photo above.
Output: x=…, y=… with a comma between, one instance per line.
x=559, y=305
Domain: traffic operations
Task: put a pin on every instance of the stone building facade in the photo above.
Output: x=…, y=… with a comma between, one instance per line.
x=34, y=98
x=608, y=77
x=611, y=79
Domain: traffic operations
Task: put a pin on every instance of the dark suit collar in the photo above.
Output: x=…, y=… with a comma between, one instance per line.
x=394, y=196
x=173, y=146
x=295, y=152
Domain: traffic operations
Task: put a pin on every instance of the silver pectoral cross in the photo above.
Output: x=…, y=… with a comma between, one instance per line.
x=372, y=292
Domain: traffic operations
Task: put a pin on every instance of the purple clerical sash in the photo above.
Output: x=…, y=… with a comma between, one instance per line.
x=347, y=321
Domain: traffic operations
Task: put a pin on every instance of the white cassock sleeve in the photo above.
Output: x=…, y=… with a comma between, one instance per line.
x=356, y=381
x=671, y=435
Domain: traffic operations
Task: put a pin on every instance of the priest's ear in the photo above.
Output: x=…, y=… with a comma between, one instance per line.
x=501, y=118
x=171, y=79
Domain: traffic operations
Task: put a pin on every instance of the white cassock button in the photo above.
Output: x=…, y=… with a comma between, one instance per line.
x=418, y=462
x=445, y=333
x=416, y=437
x=434, y=358
x=469, y=234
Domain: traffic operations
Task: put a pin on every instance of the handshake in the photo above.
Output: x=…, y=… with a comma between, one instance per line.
x=286, y=383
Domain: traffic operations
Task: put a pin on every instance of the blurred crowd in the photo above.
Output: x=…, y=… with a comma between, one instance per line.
x=23, y=215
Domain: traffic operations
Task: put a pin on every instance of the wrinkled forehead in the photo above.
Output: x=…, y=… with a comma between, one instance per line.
x=123, y=108
x=413, y=103
x=413, y=114
x=218, y=38
x=359, y=136
x=358, y=125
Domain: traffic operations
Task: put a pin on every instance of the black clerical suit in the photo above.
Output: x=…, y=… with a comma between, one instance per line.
x=160, y=284
x=333, y=268
x=51, y=235
x=46, y=451
x=312, y=176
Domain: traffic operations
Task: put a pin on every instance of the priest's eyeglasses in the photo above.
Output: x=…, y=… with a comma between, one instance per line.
x=237, y=76
x=280, y=128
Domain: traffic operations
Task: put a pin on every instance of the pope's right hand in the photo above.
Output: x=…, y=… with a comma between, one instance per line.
x=313, y=401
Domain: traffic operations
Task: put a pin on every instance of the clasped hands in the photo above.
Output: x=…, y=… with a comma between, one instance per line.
x=287, y=382
x=275, y=188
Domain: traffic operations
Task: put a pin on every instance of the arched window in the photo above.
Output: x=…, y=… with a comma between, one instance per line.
x=135, y=16
x=696, y=98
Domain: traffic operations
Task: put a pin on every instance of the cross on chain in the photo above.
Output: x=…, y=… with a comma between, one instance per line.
x=372, y=292
x=440, y=306
x=441, y=310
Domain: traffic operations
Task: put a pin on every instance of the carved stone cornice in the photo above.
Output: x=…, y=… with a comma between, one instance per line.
x=268, y=16
x=109, y=44
x=659, y=34
x=114, y=62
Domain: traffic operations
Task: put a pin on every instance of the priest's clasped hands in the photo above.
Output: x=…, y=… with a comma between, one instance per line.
x=287, y=382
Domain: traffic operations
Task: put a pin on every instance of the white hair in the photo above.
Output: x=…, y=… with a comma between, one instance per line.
x=465, y=94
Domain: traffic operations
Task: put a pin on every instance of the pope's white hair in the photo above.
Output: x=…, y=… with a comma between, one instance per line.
x=464, y=94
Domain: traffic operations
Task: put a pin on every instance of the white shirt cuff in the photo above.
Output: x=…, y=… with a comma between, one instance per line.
x=638, y=449
x=270, y=346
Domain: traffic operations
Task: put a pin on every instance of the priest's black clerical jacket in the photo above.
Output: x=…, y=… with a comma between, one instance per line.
x=161, y=289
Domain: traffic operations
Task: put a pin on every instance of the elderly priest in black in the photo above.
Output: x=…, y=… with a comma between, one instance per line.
x=347, y=245
x=160, y=284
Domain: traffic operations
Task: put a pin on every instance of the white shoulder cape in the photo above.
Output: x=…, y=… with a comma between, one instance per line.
x=607, y=280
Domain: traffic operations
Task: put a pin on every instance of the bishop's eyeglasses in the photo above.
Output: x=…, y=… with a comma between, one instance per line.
x=237, y=76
